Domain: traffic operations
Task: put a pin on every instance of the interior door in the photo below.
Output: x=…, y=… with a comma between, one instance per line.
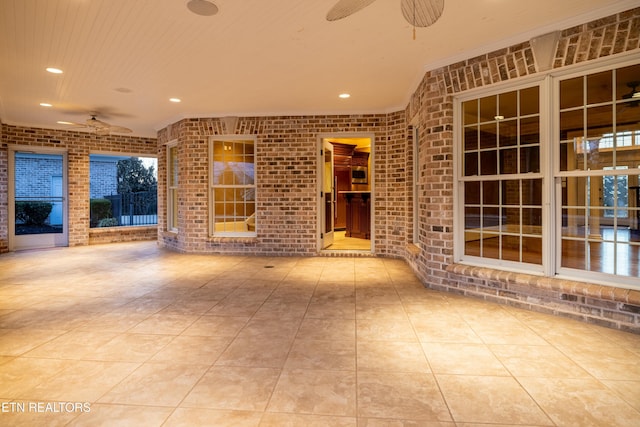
x=327, y=195
x=38, y=200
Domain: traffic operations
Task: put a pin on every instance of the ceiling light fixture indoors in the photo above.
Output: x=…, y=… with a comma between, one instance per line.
x=202, y=7
x=344, y=96
x=45, y=104
x=53, y=70
x=176, y=100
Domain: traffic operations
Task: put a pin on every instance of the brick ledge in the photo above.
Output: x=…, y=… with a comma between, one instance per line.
x=573, y=287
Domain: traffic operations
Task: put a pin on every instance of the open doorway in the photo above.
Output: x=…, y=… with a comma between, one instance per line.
x=346, y=193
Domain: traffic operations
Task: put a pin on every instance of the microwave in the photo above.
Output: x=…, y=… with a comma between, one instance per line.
x=359, y=175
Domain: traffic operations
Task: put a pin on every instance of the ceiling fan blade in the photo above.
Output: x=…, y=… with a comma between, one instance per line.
x=102, y=131
x=422, y=13
x=119, y=129
x=98, y=124
x=344, y=8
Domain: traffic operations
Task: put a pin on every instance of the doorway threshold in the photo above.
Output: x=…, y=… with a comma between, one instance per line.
x=346, y=253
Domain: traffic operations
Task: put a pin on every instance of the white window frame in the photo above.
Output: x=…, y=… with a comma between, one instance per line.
x=213, y=187
x=416, y=186
x=172, y=187
x=549, y=170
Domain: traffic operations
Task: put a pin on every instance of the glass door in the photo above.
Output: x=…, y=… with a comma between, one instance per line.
x=38, y=205
x=328, y=195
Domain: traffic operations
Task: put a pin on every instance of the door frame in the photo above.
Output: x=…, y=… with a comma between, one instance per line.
x=56, y=241
x=319, y=178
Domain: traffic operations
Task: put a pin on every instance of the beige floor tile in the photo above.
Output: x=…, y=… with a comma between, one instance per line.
x=377, y=295
x=15, y=342
x=156, y=384
x=107, y=415
x=629, y=391
x=323, y=355
x=164, y=324
x=276, y=328
x=322, y=309
x=505, y=330
x=537, y=361
x=113, y=322
x=581, y=402
x=400, y=395
x=386, y=422
x=487, y=399
x=209, y=325
x=281, y=310
x=72, y=345
x=189, y=307
x=463, y=359
x=327, y=329
x=369, y=310
x=195, y=350
x=235, y=388
x=189, y=417
x=319, y=392
x=260, y=352
x=605, y=363
x=81, y=381
x=131, y=347
x=391, y=356
x=21, y=375
x=438, y=329
x=296, y=420
x=385, y=329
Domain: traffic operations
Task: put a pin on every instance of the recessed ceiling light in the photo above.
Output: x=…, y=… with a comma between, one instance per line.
x=344, y=95
x=202, y=7
x=53, y=70
x=176, y=100
x=60, y=122
x=45, y=104
x=499, y=117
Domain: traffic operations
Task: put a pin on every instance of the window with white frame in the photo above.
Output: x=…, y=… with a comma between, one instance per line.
x=588, y=168
x=172, y=187
x=416, y=185
x=599, y=156
x=233, y=186
x=501, y=177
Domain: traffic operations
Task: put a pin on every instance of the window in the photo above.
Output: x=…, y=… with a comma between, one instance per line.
x=172, y=187
x=416, y=185
x=586, y=162
x=123, y=190
x=599, y=154
x=233, y=186
x=502, y=181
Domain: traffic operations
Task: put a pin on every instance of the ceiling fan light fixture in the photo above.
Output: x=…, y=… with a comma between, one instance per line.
x=636, y=95
x=202, y=7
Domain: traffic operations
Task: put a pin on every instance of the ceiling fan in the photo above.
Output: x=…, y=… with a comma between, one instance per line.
x=418, y=13
x=99, y=127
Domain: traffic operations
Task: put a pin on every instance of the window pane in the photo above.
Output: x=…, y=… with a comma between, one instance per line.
x=488, y=135
x=511, y=248
x=470, y=164
x=530, y=131
x=488, y=108
x=471, y=218
x=511, y=192
x=571, y=93
x=490, y=192
x=532, y=250
x=508, y=104
x=488, y=163
x=530, y=159
x=600, y=87
x=625, y=79
x=471, y=193
x=470, y=112
x=508, y=130
x=471, y=138
x=491, y=245
x=509, y=161
x=532, y=192
x=529, y=101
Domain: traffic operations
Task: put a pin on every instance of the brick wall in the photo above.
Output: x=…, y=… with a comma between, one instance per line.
x=432, y=107
x=78, y=146
x=103, y=178
x=286, y=180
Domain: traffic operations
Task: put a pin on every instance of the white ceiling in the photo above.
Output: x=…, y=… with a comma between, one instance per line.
x=124, y=59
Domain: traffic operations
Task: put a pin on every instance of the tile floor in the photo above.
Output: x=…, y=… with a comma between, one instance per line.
x=129, y=334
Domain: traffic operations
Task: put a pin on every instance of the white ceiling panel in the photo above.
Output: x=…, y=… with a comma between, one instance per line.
x=124, y=59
